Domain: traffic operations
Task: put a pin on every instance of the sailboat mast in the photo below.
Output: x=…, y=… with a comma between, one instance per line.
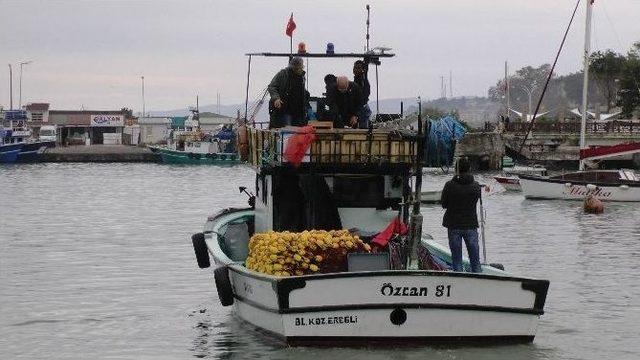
x=585, y=81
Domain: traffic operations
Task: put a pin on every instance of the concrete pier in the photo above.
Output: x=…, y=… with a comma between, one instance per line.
x=99, y=153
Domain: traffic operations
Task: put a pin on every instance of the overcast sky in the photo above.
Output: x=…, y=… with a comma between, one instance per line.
x=92, y=54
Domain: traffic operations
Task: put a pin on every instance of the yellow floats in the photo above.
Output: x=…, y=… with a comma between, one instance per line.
x=308, y=252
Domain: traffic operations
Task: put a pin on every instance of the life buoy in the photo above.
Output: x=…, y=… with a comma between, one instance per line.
x=223, y=285
x=243, y=142
x=200, y=248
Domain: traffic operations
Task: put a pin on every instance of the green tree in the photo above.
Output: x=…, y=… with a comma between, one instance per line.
x=526, y=84
x=629, y=95
x=606, y=69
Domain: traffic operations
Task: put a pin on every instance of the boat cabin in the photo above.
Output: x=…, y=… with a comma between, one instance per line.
x=346, y=178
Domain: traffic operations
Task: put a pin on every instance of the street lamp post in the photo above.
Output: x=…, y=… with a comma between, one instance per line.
x=10, y=88
x=143, y=109
x=529, y=92
x=20, y=97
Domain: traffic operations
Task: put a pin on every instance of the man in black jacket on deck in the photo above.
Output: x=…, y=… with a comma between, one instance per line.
x=460, y=197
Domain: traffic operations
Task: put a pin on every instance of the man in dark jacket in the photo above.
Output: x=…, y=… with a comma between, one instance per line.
x=460, y=196
x=360, y=77
x=345, y=102
x=288, y=96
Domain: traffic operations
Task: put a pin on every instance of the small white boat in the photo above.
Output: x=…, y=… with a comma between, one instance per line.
x=608, y=185
x=430, y=197
x=510, y=178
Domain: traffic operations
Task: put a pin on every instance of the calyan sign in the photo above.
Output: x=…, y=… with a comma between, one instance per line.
x=107, y=120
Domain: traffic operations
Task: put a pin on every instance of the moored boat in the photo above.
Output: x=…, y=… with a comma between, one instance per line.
x=9, y=153
x=510, y=180
x=608, y=185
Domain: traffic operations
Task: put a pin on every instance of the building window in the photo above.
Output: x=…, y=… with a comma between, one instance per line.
x=36, y=116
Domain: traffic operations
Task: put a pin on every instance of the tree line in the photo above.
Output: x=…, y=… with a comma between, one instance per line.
x=614, y=83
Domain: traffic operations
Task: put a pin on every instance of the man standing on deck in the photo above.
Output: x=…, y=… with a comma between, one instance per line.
x=345, y=102
x=360, y=77
x=288, y=96
x=460, y=197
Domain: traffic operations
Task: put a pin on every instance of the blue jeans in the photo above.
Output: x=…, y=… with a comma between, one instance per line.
x=470, y=237
x=363, y=117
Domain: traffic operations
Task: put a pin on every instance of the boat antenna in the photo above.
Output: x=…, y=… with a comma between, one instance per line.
x=416, y=217
x=546, y=84
x=368, y=13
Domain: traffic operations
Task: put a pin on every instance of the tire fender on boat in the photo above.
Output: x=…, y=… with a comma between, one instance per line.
x=200, y=248
x=497, y=266
x=223, y=285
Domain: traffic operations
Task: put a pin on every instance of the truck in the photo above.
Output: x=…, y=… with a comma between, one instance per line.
x=48, y=133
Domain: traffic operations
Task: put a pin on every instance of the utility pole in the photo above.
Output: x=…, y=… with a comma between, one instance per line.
x=143, y=108
x=21, y=64
x=506, y=87
x=10, y=88
x=450, y=84
x=218, y=102
x=443, y=92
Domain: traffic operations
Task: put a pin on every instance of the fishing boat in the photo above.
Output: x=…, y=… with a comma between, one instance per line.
x=611, y=185
x=510, y=178
x=9, y=152
x=16, y=132
x=362, y=180
x=191, y=146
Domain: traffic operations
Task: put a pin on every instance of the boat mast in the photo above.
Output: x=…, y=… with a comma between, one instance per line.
x=415, y=226
x=585, y=81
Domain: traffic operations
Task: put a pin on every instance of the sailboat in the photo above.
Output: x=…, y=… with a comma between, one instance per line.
x=611, y=185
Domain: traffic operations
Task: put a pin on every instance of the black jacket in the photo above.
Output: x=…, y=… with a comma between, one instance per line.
x=460, y=196
x=344, y=105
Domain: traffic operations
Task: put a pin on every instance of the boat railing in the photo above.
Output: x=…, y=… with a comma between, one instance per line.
x=267, y=148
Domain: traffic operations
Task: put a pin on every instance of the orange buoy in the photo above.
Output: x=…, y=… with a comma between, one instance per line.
x=593, y=205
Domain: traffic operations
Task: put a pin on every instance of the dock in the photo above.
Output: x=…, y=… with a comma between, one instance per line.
x=100, y=153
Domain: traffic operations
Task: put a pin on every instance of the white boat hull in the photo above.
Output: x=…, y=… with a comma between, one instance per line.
x=397, y=306
x=543, y=188
x=388, y=306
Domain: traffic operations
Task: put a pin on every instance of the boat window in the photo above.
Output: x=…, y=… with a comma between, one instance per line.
x=359, y=191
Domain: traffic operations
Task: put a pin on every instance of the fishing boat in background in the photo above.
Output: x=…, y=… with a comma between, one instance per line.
x=15, y=131
x=191, y=146
x=368, y=181
x=510, y=178
x=9, y=152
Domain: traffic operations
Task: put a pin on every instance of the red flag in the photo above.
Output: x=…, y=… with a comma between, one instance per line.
x=291, y=25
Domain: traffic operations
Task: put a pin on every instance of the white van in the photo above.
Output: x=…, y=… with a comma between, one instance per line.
x=48, y=133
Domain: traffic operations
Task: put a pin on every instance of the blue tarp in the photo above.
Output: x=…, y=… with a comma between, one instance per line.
x=441, y=139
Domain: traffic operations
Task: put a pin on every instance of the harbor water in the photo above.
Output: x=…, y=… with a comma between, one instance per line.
x=96, y=262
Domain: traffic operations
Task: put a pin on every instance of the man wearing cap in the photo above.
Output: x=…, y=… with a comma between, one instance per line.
x=288, y=96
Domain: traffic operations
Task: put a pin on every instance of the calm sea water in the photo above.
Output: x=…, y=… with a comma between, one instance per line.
x=96, y=262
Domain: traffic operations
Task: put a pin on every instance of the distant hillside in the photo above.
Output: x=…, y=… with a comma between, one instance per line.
x=386, y=106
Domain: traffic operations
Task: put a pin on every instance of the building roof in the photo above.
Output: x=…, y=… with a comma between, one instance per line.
x=37, y=107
